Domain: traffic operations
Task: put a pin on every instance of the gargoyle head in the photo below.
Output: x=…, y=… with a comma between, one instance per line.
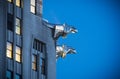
x=63, y=30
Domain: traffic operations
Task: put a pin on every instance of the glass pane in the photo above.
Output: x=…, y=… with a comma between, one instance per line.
x=18, y=54
x=40, y=61
x=35, y=44
x=8, y=75
x=9, y=50
x=9, y=0
x=9, y=46
x=33, y=2
x=18, y=50
x=17, y=76
x=17, y=57
x=10, y=23
x=18, y=30
x=17, y=22
x=32, y=9
x=34, y=58
x=34, y=62
x=33, y=66
x=43, y=67
x=18, y=3
x=9, y=53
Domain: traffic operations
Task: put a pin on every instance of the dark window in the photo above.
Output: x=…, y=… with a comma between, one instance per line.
x=35, y=44
x=9, y=74
x=38, y=45
x=17, y=76
x=42, y=46
x=42, y=65
x=10, y=22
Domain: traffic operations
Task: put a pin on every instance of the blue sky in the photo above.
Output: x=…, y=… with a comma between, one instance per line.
x=98, y=39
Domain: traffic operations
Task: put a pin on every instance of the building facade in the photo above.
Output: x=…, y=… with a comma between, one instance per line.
x=27, y=46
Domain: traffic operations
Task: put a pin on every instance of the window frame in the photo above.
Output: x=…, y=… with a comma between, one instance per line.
x=39, y=46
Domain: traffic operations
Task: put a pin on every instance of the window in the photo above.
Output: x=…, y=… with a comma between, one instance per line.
x=42, y=47
x=38, y=45
x=18, y=3
x=35, y=44
x=18, y=54
x=9, y=50
x=10, y=23
x=34, y=62
x=18, y=26
x=17, y=76
x=32, y=6
x=10, y=0
x=42, y=65
x=9, y=74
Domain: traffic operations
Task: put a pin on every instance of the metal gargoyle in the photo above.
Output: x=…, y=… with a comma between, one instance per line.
x=63, y=30
x=62, y=51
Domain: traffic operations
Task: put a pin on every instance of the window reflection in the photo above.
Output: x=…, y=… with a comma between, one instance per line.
x=17, y=76
x=9, y=74
x=10, y=0
x=9, y=50
x=18, y=26
x=34, y=62
x=18, y=54
x=18, y=2
x=32, y=7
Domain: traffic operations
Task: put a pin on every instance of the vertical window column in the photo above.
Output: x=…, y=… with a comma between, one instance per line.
x=40, y=50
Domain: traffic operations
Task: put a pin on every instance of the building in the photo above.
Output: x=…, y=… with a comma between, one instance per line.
x=27, y=48
x=27, y=42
